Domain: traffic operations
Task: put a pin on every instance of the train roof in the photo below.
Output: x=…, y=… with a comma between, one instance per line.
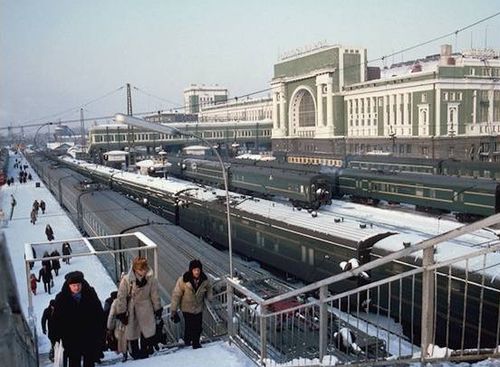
x=412, y=178
x=354, y=222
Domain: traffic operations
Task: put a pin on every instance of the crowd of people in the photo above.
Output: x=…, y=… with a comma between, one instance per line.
x=130, y=323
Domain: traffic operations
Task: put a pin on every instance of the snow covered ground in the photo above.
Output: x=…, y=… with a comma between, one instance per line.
x=20, y=231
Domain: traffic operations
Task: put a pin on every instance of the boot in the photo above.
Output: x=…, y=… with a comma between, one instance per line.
x=135, y=352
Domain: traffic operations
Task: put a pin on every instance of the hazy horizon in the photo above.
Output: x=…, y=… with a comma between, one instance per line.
x=57, y=56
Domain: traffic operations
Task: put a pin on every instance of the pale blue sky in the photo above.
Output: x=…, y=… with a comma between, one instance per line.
x=56, y=55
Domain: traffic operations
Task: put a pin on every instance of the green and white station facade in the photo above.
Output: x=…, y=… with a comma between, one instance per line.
x=328, y=101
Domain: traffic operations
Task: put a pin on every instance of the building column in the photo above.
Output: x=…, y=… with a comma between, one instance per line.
x=282, y=121
x=491, y=105
x=329, y=103
x=276, y=123
x=319, y=99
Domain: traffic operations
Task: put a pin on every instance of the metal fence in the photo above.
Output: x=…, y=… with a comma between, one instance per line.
x=17, y=344
x=439, y=310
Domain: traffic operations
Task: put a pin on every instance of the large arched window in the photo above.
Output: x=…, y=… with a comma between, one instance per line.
x=304, y=109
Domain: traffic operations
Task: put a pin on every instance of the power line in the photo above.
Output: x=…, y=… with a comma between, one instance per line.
x=236, y=98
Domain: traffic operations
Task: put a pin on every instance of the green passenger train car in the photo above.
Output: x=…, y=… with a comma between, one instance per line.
x=465, y=197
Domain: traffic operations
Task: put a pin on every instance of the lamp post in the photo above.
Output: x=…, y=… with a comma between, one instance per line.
x=392, y=135
x=165, y=129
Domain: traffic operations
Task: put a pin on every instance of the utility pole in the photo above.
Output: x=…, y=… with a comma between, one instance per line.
x=130, y=132
x=82, y=128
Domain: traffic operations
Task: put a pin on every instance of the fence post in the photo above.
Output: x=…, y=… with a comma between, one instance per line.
x=323, y=322
x=427, y=325
x=230, y=325
x=263, y=336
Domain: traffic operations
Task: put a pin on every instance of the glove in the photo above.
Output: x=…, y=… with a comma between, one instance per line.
x=175, y=317
x=158, y=313
x=123, y=318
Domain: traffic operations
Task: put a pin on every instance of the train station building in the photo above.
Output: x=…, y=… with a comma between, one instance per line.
x=327, y=101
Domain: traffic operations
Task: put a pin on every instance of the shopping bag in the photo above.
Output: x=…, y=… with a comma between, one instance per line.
x=58, y=354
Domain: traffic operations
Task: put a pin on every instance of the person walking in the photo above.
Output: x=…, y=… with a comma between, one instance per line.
x=116, y=329
x=189, y=295
x=66, y=251
x=33, y=216
x=56, y=265
x=36, y=206
x=137, y=306
x=33, y=284
x=13, y=203
x=46, y=276
x=2, y=219
x=42, y=206
x=47, y=325
x=78, y=321
x=49, y=233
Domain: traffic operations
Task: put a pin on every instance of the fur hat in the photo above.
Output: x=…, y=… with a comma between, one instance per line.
x=193, y=264
x=74, y=277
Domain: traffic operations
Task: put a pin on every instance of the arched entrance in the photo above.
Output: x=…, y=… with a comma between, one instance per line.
x=302, y=111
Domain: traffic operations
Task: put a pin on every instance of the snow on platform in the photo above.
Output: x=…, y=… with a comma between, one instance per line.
x=20, y=231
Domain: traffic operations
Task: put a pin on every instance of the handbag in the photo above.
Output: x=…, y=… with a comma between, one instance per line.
x=58, y=354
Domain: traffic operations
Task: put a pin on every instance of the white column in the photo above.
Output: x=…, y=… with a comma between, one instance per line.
x=474, y=107
x=319, y=99
x=437, y=116
x=329, y=103
x=491, y=101
x=282, y=121
x=276, y=123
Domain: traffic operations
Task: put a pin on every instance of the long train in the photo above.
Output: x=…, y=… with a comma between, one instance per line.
x=308, y=186
x=312, y=248
x=99, y=211
x=302, y=188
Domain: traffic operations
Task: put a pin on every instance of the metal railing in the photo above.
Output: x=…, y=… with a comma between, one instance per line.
x=439, y=310
x=18, y=345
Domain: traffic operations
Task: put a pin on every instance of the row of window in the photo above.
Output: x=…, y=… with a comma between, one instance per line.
x=101, y=138
x=316, y=161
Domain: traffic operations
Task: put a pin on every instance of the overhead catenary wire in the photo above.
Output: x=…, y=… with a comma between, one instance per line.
x=236, y=98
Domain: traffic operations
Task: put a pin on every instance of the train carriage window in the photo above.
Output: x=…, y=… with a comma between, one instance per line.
x=301, y=189
x=419, y=191
x=304, y=253
x=487, y=174
x=311, y=256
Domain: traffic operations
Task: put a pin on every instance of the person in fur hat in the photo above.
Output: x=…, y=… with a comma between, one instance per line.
x=138, y=306
x=78, y=321
x=189, y=295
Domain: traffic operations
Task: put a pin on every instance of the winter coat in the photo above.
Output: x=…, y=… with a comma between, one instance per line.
x=33, y=216
x=49, y=233
x=42, y=205
x=47, y=263
x=118, y=328
x=45, y=275
x=55, y=263
x=142, y=304
x=48, y=323
x=66, y=249
x=80, y=325
x=186, y=298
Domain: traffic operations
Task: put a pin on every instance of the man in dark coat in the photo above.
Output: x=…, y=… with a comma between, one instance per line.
x=78, y=320
x=56, y=265
x=66, y=250
x=45, y=275
x=42, y=206
x=47, y=325
x=49, y=232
